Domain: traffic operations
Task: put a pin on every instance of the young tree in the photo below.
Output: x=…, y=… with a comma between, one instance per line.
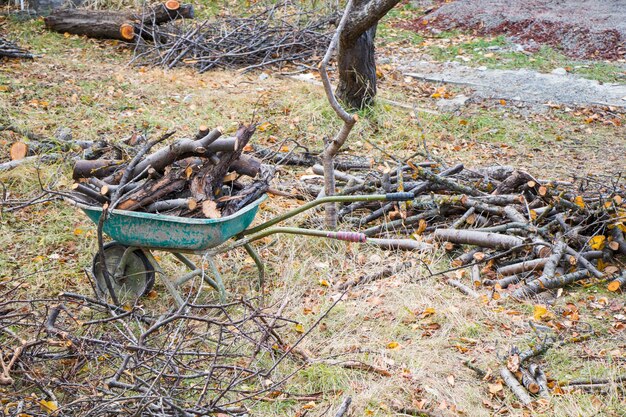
x=355, y=57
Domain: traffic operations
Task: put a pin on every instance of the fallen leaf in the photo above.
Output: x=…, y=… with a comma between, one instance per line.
x=579, y=201
x=428, y=312
x=539, y=312
x=495, y=388
x=393, y=345
x=513, y=363
x=49, y=406
x=597, y=242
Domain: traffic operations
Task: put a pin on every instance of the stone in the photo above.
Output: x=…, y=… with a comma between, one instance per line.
x=559, y=71
x=453, y=104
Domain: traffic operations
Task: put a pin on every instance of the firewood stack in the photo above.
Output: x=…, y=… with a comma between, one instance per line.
x=508, y=233
x=200, y=177
x=11, y=50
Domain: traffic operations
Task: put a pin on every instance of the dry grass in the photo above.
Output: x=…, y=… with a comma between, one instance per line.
x=85, y=85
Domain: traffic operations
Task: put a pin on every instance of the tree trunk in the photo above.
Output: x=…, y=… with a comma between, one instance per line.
x=355, y=59
x=107, y=24
x=357, y=69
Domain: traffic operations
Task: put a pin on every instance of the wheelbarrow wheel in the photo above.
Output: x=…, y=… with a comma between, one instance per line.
x=135, y=279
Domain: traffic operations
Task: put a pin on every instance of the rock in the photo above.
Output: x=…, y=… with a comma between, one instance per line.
x=482, y=68
x=493, y=48
x=559, y=71
x=453, y=104
x=263, y=76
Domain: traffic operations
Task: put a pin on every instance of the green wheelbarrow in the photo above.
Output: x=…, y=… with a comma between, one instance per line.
x=131, y=268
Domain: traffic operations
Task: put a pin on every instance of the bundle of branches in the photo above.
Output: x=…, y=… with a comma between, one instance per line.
x=11, y=50
x=532, y=235
x=121, y=25
x=75, y=355
x=197, y=177
x=275, y=35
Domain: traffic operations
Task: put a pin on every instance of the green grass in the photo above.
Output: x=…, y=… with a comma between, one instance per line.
x=544, y=60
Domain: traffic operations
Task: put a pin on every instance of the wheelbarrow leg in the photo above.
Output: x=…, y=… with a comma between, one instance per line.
x=259, y=264
x=195, y=271
x=171, y=288
x=218, y=279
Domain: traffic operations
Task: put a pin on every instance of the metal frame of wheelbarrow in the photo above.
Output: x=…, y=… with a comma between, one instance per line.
x=245, y=238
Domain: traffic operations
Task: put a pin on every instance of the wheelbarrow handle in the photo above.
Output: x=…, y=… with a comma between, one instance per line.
x=329, y=199
x=348, y=236
x=401, y=196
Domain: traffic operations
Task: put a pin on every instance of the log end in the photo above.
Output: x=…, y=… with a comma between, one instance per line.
x=127, y=31
x=18, y=151
x=172, y=5
x=614, y=286
x=533, y=388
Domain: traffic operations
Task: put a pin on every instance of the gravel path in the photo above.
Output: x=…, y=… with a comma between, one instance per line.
x=520, y=85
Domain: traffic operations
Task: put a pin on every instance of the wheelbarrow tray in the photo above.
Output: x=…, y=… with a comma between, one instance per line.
x=159, y=231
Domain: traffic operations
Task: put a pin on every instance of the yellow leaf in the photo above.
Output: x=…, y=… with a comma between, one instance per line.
x=4, y=88
x=503, y=102
x=533, y=214
x=299, y=328
x=539, y=311
x=264, y=126
x=428, y=312
x=324, y=283
x=422, y=227
x=393, y=345
x=78, y=231
x=309, y=405
x=579, y=201
x=49, y=406
x=597, y=242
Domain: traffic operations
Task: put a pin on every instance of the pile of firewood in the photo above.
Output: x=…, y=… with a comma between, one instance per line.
x=276, y=34
x=11, y=50
x=197, y=177
x=504, y=227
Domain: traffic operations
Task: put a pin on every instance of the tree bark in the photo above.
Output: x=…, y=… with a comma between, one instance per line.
x=356, y=56
x=92, y=23
x=357, y=70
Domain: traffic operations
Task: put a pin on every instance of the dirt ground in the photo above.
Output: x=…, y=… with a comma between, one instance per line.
x=580, y=28
x=413, y=326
